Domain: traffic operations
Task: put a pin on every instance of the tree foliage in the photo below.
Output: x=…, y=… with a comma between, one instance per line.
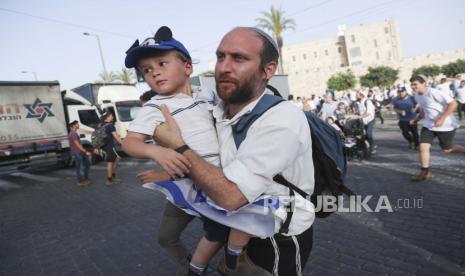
x=127, y=76
x=381, y=76
x=107, y=77
x=275, y=22
x=341, y=81
x=453, y=68
x=427, y=70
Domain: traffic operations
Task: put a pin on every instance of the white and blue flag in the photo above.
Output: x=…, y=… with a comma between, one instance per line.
x=259, y=218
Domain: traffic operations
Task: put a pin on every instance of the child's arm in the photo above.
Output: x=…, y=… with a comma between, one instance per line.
x=173, y=163
x=153, y=176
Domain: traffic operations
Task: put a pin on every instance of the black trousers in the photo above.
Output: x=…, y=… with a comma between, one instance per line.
x=262, y=252
x=410, y=132
x=460, y=109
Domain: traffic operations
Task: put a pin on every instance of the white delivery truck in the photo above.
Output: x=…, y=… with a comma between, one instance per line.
x=33, y=124
x=120, y=99
x=280, y=82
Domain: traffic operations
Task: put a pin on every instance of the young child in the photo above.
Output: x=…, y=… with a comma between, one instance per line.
x=166, y=66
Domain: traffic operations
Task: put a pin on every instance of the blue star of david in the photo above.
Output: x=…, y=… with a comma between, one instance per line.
x=33, y=113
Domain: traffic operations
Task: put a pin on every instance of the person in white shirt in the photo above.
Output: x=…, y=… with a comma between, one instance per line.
x=444, y=86
x=460, y=97
x=366, y=111
x=437, y=110
x=246, y=59
x=329, y=107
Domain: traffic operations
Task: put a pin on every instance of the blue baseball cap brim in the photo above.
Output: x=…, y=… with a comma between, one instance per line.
x=133, y=55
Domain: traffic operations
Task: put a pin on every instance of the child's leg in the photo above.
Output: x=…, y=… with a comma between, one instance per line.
x=236, y=242
x=215, y=236
x=203, y=254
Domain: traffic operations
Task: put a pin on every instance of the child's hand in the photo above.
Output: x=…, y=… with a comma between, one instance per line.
x=175, y=164
x=152, y=176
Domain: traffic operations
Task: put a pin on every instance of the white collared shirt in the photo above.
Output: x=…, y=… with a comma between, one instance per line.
x=278, y=142
x=193, y=115
x=433, y=103
x=366, y=107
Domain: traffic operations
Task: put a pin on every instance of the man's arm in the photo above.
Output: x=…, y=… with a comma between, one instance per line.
x=80, y=147
x=117, y=137
x=208, y=177
x=450, y=108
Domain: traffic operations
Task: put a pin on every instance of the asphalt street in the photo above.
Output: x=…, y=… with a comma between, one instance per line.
x=50, y=226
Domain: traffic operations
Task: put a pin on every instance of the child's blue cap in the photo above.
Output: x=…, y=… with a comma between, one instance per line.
x=162, y=41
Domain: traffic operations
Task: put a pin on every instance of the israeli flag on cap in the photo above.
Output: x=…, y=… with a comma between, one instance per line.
x=259, y=218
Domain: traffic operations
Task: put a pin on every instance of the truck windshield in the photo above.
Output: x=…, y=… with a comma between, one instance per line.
x=89, y=117
x=127, y=110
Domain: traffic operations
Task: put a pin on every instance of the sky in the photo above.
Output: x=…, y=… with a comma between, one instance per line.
x=46, y=37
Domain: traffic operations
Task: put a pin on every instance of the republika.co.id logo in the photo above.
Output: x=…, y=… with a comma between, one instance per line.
x=39, y=110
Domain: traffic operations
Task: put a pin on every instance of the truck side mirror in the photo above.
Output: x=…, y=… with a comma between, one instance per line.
x=82, y=136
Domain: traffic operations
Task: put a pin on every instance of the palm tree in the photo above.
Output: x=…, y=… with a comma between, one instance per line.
x=107, y=77
x=275, y=22
x=127, y=76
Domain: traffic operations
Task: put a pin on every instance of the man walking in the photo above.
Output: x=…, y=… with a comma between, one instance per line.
x=111, y=156
x=246, y=59
x=436, y=109
x=80, y=154
x=406, y=106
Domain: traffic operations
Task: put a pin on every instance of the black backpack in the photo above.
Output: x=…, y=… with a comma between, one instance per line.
x=99, y=137
x=329, y=160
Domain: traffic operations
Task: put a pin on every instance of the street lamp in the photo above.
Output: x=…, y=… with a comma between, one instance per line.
x=100, y=50
x=32, y=72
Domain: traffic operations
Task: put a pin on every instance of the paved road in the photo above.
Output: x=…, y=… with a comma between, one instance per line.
x=49, y=226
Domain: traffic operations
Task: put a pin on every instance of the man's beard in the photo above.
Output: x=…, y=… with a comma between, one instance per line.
x=243, y=92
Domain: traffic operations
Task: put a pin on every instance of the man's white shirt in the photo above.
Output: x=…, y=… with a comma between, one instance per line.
x=368, y=109
x=278, y=142
x=433, y=103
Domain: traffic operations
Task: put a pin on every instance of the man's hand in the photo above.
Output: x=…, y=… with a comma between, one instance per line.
x=152, y=176
x=439, y=121
x=88, y=153
x=168, y=134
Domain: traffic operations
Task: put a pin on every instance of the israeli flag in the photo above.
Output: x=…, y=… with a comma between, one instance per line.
x=259, y=218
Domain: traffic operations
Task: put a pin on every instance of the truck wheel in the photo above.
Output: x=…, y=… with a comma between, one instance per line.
x=67, y=160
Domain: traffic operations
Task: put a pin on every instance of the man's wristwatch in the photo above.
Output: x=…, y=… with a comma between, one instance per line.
x=182, y=149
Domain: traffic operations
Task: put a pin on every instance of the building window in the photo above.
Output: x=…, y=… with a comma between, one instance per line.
x=326, y=51
x=296, y=72
x=293, y=58
x=356, y=63
x=386, y=30
x=352, y=37
x=339, y=50
x=315, y=54
x=304, y=56
x=377, y=55
x=306, y=71
x=389, y=54
x=376, y=43
x=355, y=52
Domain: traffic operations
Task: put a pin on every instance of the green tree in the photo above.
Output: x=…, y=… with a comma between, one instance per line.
x=427, y=70
x=275, y=22
x=341, y=81
x=208, y=73
x=107, y=77
x=381, y=76
x=126, y=76
x=453, y=68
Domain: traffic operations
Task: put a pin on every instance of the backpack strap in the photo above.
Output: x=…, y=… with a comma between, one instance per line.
x=240, y=128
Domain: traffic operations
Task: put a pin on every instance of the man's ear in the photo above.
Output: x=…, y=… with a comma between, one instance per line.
x=270, y=69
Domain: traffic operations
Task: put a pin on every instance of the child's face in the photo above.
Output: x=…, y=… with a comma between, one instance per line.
x=166, y=73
